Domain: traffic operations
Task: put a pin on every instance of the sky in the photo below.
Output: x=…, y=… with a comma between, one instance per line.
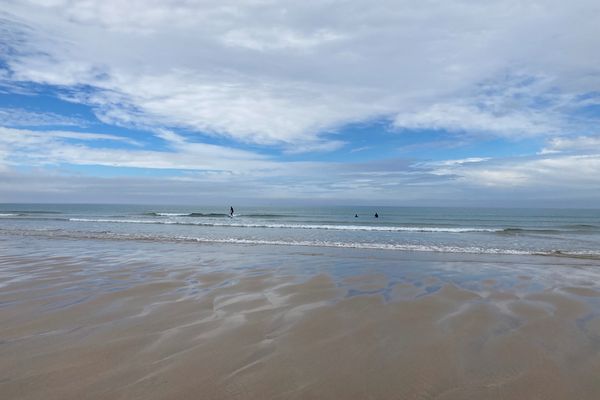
x=407, y=103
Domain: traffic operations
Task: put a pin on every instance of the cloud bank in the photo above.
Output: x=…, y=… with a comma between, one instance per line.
x=287, y=72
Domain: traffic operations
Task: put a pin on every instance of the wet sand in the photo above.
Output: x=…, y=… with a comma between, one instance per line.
x=90, y=326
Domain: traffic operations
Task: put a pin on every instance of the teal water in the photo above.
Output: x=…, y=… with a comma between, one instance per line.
x=456, y=230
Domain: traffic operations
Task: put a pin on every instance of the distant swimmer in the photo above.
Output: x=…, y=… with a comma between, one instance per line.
x=376, y=215
x=231, y=211
x=355, y=215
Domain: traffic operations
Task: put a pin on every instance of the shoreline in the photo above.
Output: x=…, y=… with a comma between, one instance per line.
x=407, y=248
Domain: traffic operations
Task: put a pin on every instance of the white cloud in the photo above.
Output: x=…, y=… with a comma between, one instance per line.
x=278, y=38
x=581, y=144
x=21, y=117
x=469, y=118
x=283, y=73
x=469, y=160
x=19, y=137
x=561, y=173
x=497, y=177
x=38, y=148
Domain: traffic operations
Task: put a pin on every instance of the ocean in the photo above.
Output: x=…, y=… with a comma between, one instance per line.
x=566, y=232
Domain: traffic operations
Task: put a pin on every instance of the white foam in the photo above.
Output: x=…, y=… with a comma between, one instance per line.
x=364, y=228
x=116, y=221
x=9, y=215
x=171, y=214
x=360, y=245
x=299, y=226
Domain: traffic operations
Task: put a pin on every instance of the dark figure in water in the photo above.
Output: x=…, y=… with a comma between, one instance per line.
x=231, y=211
x=376, y=215
x=355, y=215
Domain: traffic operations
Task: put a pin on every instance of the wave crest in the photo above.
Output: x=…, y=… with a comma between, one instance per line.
x=294, y=226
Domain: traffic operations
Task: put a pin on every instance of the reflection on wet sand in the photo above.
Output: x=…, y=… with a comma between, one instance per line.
x=74, y=328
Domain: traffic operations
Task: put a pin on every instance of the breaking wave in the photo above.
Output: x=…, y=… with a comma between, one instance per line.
x=294, y=226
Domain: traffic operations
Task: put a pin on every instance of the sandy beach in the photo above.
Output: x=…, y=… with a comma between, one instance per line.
x=259, y=322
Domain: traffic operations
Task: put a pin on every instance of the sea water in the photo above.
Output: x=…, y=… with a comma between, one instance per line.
x=567, y=232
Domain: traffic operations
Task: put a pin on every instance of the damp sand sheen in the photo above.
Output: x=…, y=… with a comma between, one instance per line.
x=104, y=318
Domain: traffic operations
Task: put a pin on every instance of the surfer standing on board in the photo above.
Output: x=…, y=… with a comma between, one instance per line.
x=231, y=211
